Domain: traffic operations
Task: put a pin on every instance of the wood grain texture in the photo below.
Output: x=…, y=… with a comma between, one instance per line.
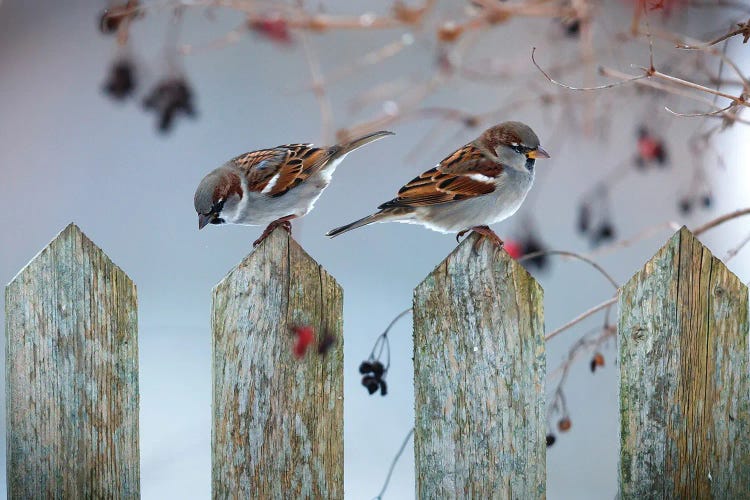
x=277, y=420
x=684, y=389
x=479, y=372
x=72, y=375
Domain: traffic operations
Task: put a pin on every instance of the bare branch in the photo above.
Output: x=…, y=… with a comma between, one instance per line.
x=574, y=255
x=720, y=220
x=581, y=317
x=697, y=113
x=600, y=87
x=744, y=30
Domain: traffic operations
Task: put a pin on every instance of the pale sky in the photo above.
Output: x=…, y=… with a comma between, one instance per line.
x=68, y=153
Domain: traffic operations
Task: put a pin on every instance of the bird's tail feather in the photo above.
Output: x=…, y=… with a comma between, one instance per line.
x=361, y=141
x=378, y=216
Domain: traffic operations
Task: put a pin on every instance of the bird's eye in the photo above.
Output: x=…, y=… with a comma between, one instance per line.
x=518, y=148
x=218, y=206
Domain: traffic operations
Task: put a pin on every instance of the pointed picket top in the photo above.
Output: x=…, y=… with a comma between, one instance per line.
x=684, y=386
x=72, y=374
x=275, y=247
x=64, y=242
x=277, y=418
x=479, y=374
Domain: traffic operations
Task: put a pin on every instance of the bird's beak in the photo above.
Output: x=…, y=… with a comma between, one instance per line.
x=538, y=153
x=204, y=220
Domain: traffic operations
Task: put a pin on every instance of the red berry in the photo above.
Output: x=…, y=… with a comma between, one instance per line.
x=513, y=248
x=305, y=337
x=564, y=424
x=649, y=148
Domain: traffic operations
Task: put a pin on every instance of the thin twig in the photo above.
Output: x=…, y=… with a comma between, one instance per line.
x=580, y=318
x=720, y=220
x=393, y=463
x=656, y=85
x=734, y=251
x=744, y=29
x=707, y=113
x=574, y=255
x=646, y=233
x=695, y=86
x=600, y=87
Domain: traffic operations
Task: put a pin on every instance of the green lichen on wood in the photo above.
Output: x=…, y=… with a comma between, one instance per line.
x=684, y=380
x=479, y=368
x=277, y=420
x=72, y=375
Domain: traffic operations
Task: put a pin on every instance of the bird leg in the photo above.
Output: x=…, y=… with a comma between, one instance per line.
x=483, y=232
x=284, y=222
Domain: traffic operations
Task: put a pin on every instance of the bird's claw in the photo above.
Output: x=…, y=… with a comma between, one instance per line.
x=283, y=223
x=483, y=232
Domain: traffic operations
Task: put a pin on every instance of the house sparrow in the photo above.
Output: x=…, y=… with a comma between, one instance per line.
x=479, y=184
x=271, y=186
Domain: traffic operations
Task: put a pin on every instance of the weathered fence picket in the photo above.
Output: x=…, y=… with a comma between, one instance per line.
x=479, y=370
x=72, y=375
x=684, y=381
x=277, y=420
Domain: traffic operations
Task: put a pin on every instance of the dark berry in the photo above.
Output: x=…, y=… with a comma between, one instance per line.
x=584, y=218
x=533, y=245
x=108, y=22
x=121, y=81
x=572, y=28
x=550, y=440
x=383, y=387
x=660, y=154
x=378, y=369
x=685, y=205
x=365, y=367
x=326, y=343
x=370, y=383
x=606, y=231
x=593, y=366
x=706, y=200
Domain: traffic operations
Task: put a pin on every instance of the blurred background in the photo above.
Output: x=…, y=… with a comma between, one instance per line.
x=77, y=144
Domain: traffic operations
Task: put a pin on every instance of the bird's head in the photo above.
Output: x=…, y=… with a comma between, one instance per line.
x=217, y=195
x=514, y=144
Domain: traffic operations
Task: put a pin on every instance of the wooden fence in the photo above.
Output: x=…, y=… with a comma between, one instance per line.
x=479, y=362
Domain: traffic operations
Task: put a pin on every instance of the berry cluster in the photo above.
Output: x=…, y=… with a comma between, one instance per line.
x=600, y=232
x=372, y=369
x=373, y=373
x=563, y=425
x=687, y=203
x=527, y=245
x=170, y=97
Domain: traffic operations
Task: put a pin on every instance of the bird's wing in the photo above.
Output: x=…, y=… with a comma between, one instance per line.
x=275, y=171
x=466, y=173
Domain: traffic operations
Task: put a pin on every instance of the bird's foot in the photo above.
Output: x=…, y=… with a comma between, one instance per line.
x=483, y=232
x=284, y=222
